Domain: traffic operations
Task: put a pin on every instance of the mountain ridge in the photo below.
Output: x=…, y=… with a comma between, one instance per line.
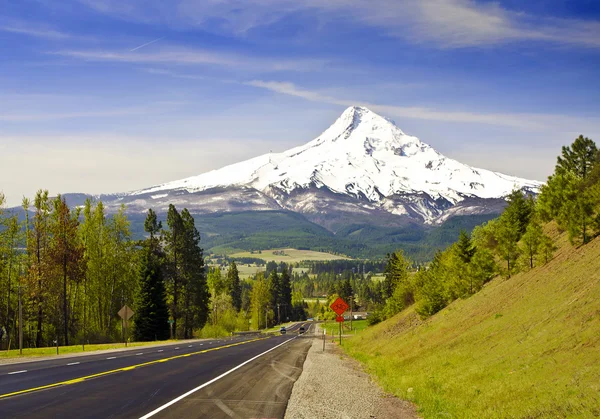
x=363, y=163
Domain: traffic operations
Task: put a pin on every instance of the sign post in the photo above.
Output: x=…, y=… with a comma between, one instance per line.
x=339, y=306
x=171, y=327
x=125, y=313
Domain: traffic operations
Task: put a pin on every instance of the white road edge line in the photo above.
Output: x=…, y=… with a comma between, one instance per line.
x=183, y=396
x=17, y=372
x=73, y=363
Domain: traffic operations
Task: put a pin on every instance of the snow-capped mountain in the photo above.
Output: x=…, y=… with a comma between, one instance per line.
x=362, y=164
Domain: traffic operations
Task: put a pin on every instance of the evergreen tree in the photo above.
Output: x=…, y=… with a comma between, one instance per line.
x=232, y=284
x=275, y=290
x=174, y=249
x=396, y=271
x=546, y=248
x=530, y=242
x=152, y=226
x=464, y=247
x=270, y=267
x=579, y=158
x=347, y=293
x=197, y=297
x=151, y=313
x=518, y=211
x=286, y=291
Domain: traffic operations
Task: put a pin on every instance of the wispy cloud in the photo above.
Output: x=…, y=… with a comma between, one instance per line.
x=516, y=120
x=446, y=23
x=183, y=56
x=71, y=111
x=37, y=31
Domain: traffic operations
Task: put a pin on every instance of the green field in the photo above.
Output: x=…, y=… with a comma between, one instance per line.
x=289, y=255
x=524, y=347
x=333, y=326
x=246, y=271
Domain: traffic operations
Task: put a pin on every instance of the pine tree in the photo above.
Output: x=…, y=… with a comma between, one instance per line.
x=151, y=313
x=579, y=158
x=396, y=271
x=286, y=290
x=465, y=247
x=546, y=248
x=196, y=294
x=275, y=290
x=530, y=242
x=175, y=247
x=232, y=283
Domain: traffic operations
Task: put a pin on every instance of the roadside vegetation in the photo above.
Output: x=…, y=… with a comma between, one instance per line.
x=73, y=269
x=504, y=322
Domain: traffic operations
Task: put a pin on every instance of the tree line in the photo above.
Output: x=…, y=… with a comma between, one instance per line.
x=72, y=269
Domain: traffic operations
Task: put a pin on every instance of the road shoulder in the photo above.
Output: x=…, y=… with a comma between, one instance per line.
x=334, y=386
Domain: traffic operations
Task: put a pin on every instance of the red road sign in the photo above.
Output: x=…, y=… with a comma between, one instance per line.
x=339, y=306
x=339, y=319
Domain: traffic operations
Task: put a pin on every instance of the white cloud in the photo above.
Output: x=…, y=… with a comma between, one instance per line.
x=185, y=56
x=38, y=31
x=36, y=108
x=529, y=121
x=447, y=23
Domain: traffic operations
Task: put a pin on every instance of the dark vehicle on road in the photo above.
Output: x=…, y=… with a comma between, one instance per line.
x=301, y=330
x=282, y=330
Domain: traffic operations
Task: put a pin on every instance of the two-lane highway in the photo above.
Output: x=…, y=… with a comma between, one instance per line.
x=243, y=377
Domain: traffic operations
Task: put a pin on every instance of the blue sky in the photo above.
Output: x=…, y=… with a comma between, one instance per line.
x=113, y=95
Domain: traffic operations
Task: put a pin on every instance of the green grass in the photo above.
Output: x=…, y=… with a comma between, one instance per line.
x=526, y=347
x=289, y=255
x=333, y=326
x=49, y=351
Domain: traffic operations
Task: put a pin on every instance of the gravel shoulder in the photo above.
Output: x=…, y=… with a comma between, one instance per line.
x=334, y=386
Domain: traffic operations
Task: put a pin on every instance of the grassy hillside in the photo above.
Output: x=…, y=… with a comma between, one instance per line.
x=524, y=347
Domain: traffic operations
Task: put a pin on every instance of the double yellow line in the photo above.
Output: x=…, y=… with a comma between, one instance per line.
x=132, y=367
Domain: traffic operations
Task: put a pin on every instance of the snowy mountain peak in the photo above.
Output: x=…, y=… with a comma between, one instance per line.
x=362, y=155
x=359, y=124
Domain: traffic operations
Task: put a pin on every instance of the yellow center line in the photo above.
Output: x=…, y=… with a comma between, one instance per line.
x=129, y=368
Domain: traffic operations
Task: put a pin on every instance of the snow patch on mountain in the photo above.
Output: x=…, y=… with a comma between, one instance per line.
x=365, y=156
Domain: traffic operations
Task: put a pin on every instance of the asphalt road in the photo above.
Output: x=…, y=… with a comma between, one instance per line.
x=233, y=378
